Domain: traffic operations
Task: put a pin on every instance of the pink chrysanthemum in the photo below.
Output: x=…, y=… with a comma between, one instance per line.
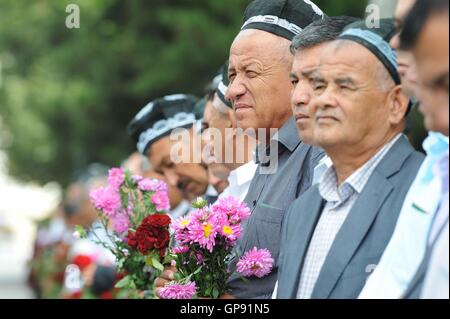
x=255, y=262
x=116, y=177
x=106, y=199
x=177, y=291
x=181, y=250
x=230, y=232
x=152, y=185
x=121, y=223
x=180, y=230
x=161, y=201
x=203, y=234
x=230, y=206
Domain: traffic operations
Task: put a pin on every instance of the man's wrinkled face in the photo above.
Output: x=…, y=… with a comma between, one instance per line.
x=350, y=110
x=406, y=65
x=431, y=55
x=306, y=61
x=259, y=83
x=190, y=178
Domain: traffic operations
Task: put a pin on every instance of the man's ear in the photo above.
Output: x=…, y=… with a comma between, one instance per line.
x=398, y=105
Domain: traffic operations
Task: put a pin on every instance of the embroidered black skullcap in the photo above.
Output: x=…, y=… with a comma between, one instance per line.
x=223, y=86
x=160, y=117
x=376, y=39
x=284, y=18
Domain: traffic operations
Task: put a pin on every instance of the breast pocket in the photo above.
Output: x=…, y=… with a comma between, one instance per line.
x=264, y=231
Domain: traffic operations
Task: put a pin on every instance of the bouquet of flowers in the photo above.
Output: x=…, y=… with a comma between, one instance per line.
x=132, y=212
x=204, y=243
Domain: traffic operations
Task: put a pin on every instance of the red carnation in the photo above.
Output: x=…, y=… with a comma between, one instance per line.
x=157, y=220
x=82, y=261
x=152, y=234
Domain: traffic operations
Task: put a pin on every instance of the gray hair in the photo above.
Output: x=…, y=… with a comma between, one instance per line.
x=320, y=31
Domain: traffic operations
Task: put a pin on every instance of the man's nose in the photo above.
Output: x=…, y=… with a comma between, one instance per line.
x=171, y=176
x=300, y=97
x=235, y=90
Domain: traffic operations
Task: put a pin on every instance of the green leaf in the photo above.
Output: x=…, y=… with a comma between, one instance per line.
x=124, y=282
x=215, y=293
x=199, y=203
x=149, y=261
x=81, y=231
x=157, y=264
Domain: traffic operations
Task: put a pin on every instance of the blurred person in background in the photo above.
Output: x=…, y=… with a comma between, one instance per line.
x=138, y=164
x=96, y=263
x=151, y=129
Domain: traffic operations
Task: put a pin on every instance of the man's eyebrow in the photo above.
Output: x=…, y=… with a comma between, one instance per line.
x=316, y=76
x=310, y=72
x=345, y=80
x=293, y=75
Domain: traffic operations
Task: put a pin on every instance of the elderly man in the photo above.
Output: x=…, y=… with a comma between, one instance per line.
x=306, y=49
x=218, y=133
x=426, y=34
x=259, y=90
x=234, y=150
x=335, y=233
x=151, y=129
x=407, y=246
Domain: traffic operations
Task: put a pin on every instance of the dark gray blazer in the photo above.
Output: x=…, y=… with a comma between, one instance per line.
x=362, y=238
x=269, y=197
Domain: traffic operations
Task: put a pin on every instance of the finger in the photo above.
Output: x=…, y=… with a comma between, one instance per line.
x=160, y=282
x=168, y=275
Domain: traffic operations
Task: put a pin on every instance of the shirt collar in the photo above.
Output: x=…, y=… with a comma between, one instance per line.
x=287, y=136
x=243, y=174
x=436, y=144
x=356, y=182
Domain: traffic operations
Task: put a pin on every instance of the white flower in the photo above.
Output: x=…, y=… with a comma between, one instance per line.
x=76, y=234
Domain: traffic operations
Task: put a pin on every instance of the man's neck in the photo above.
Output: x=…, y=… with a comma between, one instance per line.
x=348, y=159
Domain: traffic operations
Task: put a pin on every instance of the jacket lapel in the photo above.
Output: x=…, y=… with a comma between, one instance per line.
x=351, y=235
x=360, y=218
x=302, y=232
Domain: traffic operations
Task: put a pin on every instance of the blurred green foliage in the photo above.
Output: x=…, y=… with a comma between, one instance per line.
x=66, y=95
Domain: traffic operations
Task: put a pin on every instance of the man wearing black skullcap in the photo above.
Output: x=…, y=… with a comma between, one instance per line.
x=234, y=150
x=335, y=233
x=259, y=90
x=151, y=129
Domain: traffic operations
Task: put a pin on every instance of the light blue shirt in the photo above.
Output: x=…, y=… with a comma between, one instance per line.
x=406, y=248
